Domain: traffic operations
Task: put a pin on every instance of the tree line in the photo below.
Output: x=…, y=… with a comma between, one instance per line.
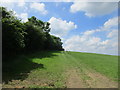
x=33, y=35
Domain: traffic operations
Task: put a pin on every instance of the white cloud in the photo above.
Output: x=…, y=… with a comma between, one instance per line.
x=61, y=27
x=92, y=44
x=94, y=8
x=63, y=0
x=87, y=42
x=10, y=4
x=23, y=16
x=113, y=34
x=111, y=22
x=7, y=1
x=39, y=7
x=21, y=3
x=89, y=32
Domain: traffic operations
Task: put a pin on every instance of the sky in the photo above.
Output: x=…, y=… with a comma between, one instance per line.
x=83, y=26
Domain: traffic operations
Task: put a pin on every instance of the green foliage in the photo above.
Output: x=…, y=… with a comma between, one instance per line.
x=12, y=33
x=35, y=37
x=26, y=37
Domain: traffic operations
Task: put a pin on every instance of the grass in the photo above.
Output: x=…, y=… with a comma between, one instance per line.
x=48, y=69
x=105, y=64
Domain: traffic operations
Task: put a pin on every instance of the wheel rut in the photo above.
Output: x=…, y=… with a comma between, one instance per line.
x=74, y=80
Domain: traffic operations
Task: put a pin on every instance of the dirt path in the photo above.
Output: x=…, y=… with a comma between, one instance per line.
x=97, y=80
x=74, y=80
x=88, y=80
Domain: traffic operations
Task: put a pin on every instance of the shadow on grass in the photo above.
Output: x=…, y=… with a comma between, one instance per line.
x=20, y=67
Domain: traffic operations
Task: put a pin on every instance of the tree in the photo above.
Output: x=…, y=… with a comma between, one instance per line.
x=29, y=36
x=35, y=37
x=12, y=33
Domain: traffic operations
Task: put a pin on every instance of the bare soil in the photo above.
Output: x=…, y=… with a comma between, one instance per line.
x=74, y=80
x=91, y=80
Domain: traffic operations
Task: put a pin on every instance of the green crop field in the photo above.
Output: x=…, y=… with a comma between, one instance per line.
x=61, y=69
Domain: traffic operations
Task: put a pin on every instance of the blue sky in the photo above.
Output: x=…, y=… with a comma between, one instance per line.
x=82, y=26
